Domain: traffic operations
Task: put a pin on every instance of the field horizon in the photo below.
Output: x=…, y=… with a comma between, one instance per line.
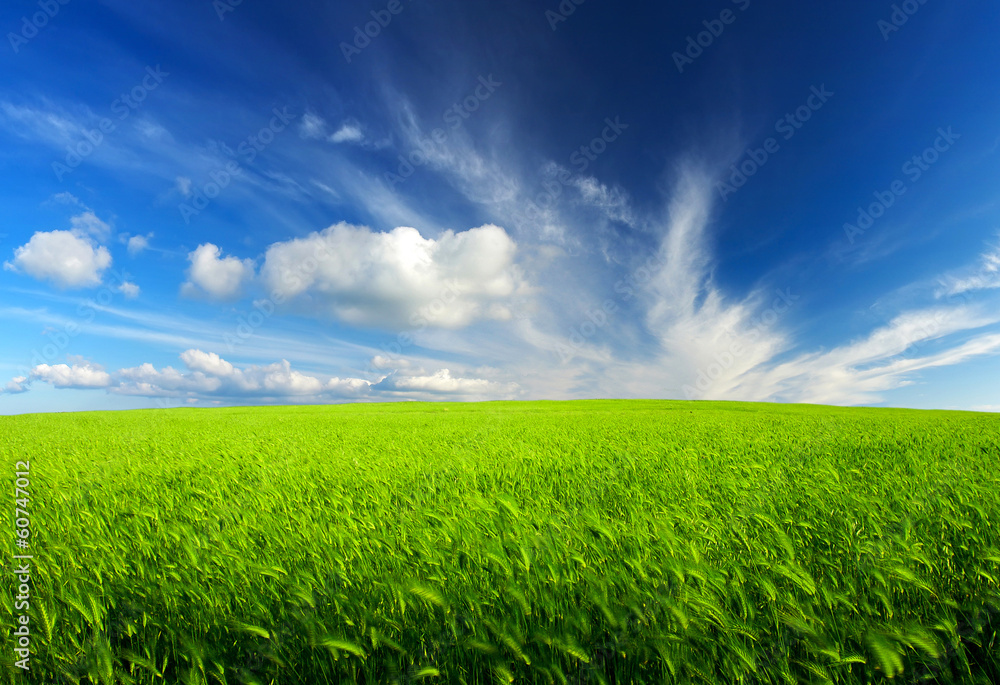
x=503, y=402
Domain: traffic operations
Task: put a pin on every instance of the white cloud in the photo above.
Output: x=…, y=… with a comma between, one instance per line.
x=327, y=189
x=70, y=259
x=348, y=133
x=397, y=279
x=614, y=202
x=347, y=387
x=985, y=277
x=207, y=375
x=442, y=382
x=18, y=384
x=68, y=199
x=221, y=278
x=129, y=290
x=207, y=362
x=145, y=380
x=210, y=375
x=183, y=185
x=138, y=243
x=886, y=359
x=80, y=375
x=90, y=224
x=151, y=130
x=312, y=126
x=51, y=127
x=708, y=346
x=380, y=361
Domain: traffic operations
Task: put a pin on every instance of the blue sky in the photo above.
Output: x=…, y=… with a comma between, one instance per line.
x=210, y=203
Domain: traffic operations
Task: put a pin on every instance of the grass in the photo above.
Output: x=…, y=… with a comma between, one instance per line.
x=546, y=542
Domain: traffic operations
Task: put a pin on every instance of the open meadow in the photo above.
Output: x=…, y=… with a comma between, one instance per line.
x=510, y=542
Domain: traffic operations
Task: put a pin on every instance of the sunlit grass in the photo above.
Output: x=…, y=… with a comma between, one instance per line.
x=581, y=542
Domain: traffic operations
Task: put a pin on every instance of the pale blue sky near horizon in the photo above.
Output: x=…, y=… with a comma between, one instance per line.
x=214, y=203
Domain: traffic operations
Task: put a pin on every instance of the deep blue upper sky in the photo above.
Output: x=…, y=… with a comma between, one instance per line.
x=216, y=203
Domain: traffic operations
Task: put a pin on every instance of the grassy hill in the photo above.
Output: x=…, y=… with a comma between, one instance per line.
x=525, y=542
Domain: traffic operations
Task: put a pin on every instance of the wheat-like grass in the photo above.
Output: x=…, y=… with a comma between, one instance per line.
x=584, y=542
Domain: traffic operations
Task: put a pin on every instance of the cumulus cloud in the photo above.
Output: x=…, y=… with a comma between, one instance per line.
x=380, y=361
x=207, y=362
x=18, y=384
x=210, y=375
x=69, y=259
x=210, y=274
x=397, y=279
x=206, y=375
x=147, y=381
x=442, y=383
x=79, y=375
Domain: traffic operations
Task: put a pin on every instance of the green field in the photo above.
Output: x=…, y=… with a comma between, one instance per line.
x=539, y=542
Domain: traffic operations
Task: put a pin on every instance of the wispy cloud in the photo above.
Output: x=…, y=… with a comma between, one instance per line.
x=985, y=276
x=712, y=346
x=697, y=328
